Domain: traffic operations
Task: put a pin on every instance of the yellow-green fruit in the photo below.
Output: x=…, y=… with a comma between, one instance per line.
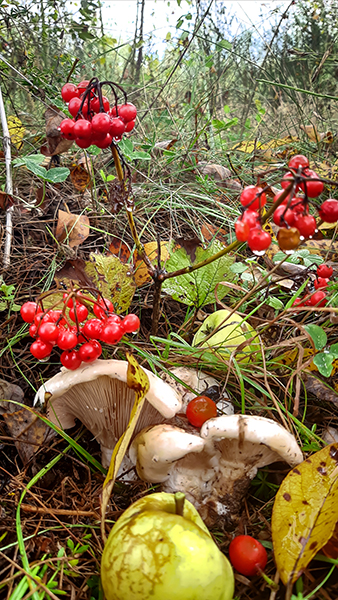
x=152, y=553
x=232, y=332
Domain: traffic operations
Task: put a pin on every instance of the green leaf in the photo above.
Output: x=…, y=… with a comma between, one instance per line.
x=275, y=302
x=198, y=288
x=334, y=350
x=94, y=150
x=323, y=362
x=36, y=158
x=226, y=109
x=238, y=267
x=313, y=259
x=3, y=305
x=140, y=156
x=113, y=279
x=36, y=169
x=225, y=44
x=222, y=125
x=317, y=334
x=57, y=175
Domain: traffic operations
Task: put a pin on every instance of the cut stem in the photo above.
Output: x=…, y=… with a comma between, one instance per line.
x=179, y=503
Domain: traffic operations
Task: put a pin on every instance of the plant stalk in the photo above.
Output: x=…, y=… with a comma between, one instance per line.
x=9, y=183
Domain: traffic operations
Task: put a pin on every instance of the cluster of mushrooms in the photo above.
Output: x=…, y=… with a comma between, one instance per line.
x=213, y=466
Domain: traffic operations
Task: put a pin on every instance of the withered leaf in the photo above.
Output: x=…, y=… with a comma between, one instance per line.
x=74, y=270
x=120, y=249
x=80, y=178
x=72, y=229
x=151, y=249
x=27, y=431
x=6, y=200
x=190, y=246
x=55, y=143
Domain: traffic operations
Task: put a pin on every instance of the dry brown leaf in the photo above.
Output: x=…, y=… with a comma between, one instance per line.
x=165, y=145
x=74, y=229
x=55, y=143
x=314, y=135
x=120, y=249
x=210, y=232
x=141, y=272
x=80, y=178
x=27, y=430
x=6, y=200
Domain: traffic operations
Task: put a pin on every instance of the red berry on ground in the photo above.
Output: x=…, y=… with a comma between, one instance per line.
x=41, y=349
x=130, y=323
x=28, y=311
x=242, y=230
x=248, y=197
x=328, y=211
x=259, y=240
x=306, y=225
x=88, y=352
x=69, y=91
x=298, y=161
x=201, y=409
x=324, y=271
x=321, y=282
x=247, y=555
x=313, y=188
x=70, y=359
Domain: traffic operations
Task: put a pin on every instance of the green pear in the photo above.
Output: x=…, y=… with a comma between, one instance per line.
x=233, y=331
x=153, y=553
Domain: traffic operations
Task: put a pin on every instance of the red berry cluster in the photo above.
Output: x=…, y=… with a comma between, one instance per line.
x=95, y=122
x=292, y=215
x=53, y=328
x=318, y=298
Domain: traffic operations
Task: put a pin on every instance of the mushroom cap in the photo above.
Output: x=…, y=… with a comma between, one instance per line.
x=97, y=394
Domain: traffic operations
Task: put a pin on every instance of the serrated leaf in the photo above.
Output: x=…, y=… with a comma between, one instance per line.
x=138, y=381
x=317, y=334
x=323, y=362
x=305, y=512
x=198, y=287
x=113, y=279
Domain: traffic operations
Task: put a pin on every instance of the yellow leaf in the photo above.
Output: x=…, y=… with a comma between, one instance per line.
x=138, y=381
x=141, y=272
x=16, y=130
x=305, y=512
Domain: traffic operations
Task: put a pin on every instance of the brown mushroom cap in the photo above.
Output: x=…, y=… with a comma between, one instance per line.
x=97, y=394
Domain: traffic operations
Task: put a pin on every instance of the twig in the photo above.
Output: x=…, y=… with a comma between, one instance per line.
x=9, y=183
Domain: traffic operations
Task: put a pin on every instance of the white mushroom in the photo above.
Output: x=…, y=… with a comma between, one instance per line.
x=97, y=394
x=235, y=447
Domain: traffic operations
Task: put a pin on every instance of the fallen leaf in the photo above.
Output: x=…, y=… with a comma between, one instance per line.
x=120, y=249
x=210, y=232
x=16, y=130
x=74, y=270
x=217, y=172
x=80, y=178
x=190, y=246
x=331, y=548
x=327, y=249
x=165, y=145
x=304, y=514
x=141, y=272
x=6, y=200
x=56, y=143
x=27, y=431
x=138, y=381
x=74, y=229
x=114, y=280
x=314, y=135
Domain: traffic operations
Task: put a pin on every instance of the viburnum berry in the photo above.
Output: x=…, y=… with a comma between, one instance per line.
x=101, y=123
x=318, y=298
x=82, y=86
x=130, y=126
x=247, y=555
x=250, y=217
x=288, y=239
x=298, y=205
x=252, y=197
x=298, y=161
x=259, y=240
x=82, y=129
x=103, y=143
x=321, y=282
x=33, y=330
x=111, y=333
x=242, y=230
x=48, y=332
x=95, y=104
x=41, y=349
x=312, y=188
x=114, y=318
x=28, y=311
x=130, y=323
x=81, y=313
x=79, y=334
x=298, y=302
x=278, y=195
x=283, y=216
x=67, y=129
x=104, y=306
x=328, y=211
x=117, y=127
x=324, y=271
x=83, y=143
x=74, y=106
x=69, y=91
x=88, y=352
x=92, y=328
x=200, y=409
x=127, y=111
x=306, y=225
x=70, y=359
x=284, y=183
x=66, y=340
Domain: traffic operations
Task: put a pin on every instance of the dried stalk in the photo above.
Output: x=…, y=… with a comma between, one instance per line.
x=9, y=183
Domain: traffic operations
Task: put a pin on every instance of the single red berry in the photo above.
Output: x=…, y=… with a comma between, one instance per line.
x=92, y=328
x=82, y=86
x=298, y=302
x=74, y=106
x=312, y=188
x=67, y=129
x=117, y=127
x=28, y=311
x=48, y=332
x=200, y=409
x=83, y=143
x=321, y=282
x=130, y=126
x=250, y=217
x=70, y=359
x=284, y=183
x=247, y=555
x=318, y=298
x=95, y=104
x=278, y=195
x=69, y=91
x=328, y=211
x=33, y=330
x=101, y=123
x=259, y=240
x=81, y=313
x=79, y=334
x=112, y=318
x=298, y=205
x=249, y=197
x=97, y=347
x=130, y=323
x=83, y=129
x=88, y=352
x=283, y=216
x=111, y=333
x=41, y=349
x=298, y=161
x=66, y=340
x=38, y=317
x=306, y=225
x=103, y=143
x=128, y=112
x=242, y=230
x=324, y=271
x=104, y=306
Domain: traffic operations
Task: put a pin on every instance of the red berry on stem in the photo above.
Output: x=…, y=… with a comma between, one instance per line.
x=312, y=188
x=278, y=195
x=114, y=319
x=28, y=311
x=128, y=112
x=306, y=225
x=248, y=197
x=321, y=282
x=130, y=323
x=318, y=299
x=74, y=106
x=283, y=216
x=130, y=125
x=117, y=127
x=69, y=91
x=82, y=86
x=101, y=123
x=81, y=313
x=104, y=142
x=200, y=409
x=83, y=129
x=83, y=143
x=247, y=555
x=285, y=183
x=70, y=359
x=104, y=306
x=328, y=211
x=92, y=328
x=33, y=330
x=67, y=129
x=259, y=240
x=48, y=332
x=95, y=104
x=324, y=271
x=66, y=340
x=251, y=218
x=242, y=230
x=88, y=352
x=111, y=333
x=298, y=161
x=41, y=349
